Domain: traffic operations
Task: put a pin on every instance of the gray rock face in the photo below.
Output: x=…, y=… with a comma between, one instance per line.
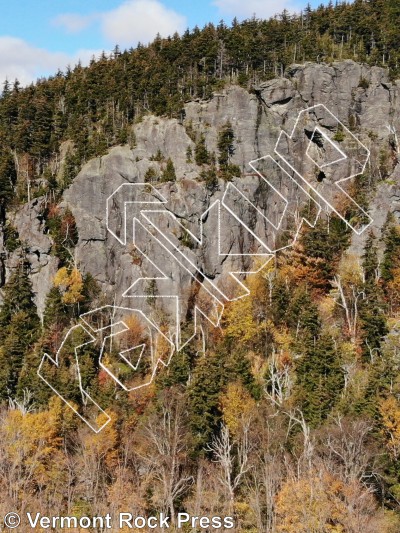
x=369, y=109
x=30, y=225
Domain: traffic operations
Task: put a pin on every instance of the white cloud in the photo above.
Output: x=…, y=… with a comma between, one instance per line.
x=18, y=59
x=73, y=22
x=140, y=20
x=262, y=8
x=131, y=22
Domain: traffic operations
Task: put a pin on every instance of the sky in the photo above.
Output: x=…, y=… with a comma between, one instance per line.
x=41, y=36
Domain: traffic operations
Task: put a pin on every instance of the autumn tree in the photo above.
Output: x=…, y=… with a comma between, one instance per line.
x=70, y=285
x=161, y=446
x=348, y=292
x=323, y=502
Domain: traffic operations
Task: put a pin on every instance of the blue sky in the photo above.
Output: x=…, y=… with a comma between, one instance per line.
x=38, y=37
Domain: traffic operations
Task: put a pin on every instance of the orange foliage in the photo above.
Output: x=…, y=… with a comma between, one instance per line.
x=321, y=502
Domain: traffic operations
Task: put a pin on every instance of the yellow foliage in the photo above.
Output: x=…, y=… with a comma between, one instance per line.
x=259, y=366
x=239, y=320
x=136, y=333
x=241, y=316
x=348, y=352
x=326, y=308
x=104, y=444
x=61, y=279
x=70, y=285
x=350, y=270
x=246, y=516
x=282, y=337
x=237, y=406
x=324, y=503
x=393, y=287
x=310, y=505
x=61, y=414
x=32, y=441
x=256, y=283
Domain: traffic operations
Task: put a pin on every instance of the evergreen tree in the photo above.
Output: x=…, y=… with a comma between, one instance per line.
x=11, y=238
x=319, y=379
x=28, y=378
x=210, y=178
x=64, y=232
x=17, y=297
x=20, y=336
x=302, y=317
x=372, y=307
x=201, y=155
x=370, y=262
x=169, y=172
x=151, y=175
x=204, y=391
x=55, y=311
x=280, y=301
x=324, y=245
x=391, y=256
x=239, y=368
x=177, y=372
x=225, y=145
x=71, y=168
x=19, y=328
x=8, y=178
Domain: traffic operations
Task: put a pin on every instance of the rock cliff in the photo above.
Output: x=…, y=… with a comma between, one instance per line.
x=362, y=98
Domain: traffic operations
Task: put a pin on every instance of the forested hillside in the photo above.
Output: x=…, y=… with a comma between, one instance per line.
x=289, y=421
x=94, y=106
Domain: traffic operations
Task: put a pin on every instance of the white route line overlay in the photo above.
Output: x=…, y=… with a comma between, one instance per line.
x=337, y=184
x=154, y=197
